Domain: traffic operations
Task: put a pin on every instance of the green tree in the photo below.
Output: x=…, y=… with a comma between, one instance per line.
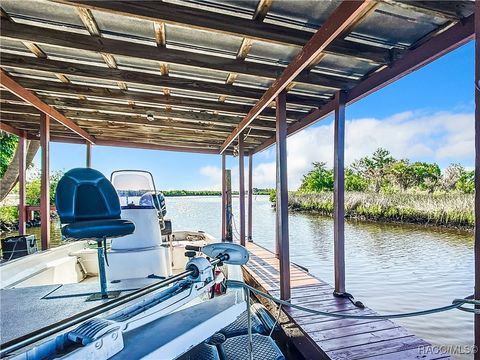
x=402, y=174
x=375, y=168
x=8, y=144
x=318, y=179
x=33, y=188
x=427, y=175
x=354, y=182
x=466, y=183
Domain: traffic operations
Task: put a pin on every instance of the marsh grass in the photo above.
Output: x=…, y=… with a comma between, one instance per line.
x=451, y=209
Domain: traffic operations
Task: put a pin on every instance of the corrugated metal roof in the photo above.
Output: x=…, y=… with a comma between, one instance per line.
x=366, y=48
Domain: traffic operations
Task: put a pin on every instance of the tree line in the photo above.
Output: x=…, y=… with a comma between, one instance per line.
x=382, y=172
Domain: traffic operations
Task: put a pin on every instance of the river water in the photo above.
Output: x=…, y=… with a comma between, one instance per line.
x=390, y=268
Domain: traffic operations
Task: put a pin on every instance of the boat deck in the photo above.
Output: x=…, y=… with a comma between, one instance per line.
x=325, y=337
x=27, y=309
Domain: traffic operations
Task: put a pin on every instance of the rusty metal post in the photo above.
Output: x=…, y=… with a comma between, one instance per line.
x=22, y=170
x=250, y=198
x=45, y=181
x=477, y=174
x=241, y=175
x=224, y=198
x=339, y=193
x=88, y=159
x=282, y=196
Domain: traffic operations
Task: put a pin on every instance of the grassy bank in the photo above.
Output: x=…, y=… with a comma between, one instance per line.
x=451, y=210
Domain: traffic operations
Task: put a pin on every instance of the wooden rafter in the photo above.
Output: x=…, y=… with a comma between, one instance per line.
x=201, y=117
x=261, y=10
x=165, y=56
x=346, y=13
x=14, y=87
x=51, y=89
x=135, y=77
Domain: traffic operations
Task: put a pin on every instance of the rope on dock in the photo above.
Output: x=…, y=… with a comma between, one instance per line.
x=456, y=304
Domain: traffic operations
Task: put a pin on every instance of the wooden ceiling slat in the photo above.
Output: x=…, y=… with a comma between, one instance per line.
x=214, y=21
x=115, y=94
x=186, y=116
x=164, y=55
x=14, y=87
x=135, y=77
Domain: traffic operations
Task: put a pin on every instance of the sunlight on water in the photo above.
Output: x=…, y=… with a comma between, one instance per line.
x=390, y=268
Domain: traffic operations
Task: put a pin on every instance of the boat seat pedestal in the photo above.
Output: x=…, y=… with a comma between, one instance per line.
x=89, y=206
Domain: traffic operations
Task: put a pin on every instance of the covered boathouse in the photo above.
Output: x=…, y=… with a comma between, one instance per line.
x=224, y=77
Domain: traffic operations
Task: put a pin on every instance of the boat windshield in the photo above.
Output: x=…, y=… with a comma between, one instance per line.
x=135, y=188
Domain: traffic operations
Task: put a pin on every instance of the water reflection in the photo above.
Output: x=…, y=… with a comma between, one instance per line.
x=391, y=268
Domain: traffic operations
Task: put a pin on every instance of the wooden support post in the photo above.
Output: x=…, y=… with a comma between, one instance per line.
x=339, y=193
x=22, y=169
x=477, y=174
x=88, y=159
x=241, y=175
x=250, y=197
x=282, y=197
x=228, y=205
x=45, y=181
x=224, y=199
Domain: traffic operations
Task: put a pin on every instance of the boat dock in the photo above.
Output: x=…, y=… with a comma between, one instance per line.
x=325, y=337
x=228, y=80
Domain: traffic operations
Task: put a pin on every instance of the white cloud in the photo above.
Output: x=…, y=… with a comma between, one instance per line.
x=443, y=137
x=213, y=175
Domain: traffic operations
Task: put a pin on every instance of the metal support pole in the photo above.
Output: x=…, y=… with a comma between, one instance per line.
x=22, y=169
x=250, y=197
x=224, y=198
x=339, y=193
x=45, y=181
x=101, y=269
x=477, y=174
x=282, y=196
x=88, y=159
x=241, y=174
x=228, y=205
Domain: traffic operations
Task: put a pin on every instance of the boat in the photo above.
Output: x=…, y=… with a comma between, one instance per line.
x=124, y=285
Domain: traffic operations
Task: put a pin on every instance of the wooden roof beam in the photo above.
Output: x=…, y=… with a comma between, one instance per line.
x=14, y=87
x=55, y=89
x=214, y=21
x=70, y=40
x=135, y=77
x=10, y=129
x=261, y=10
x=436, y=47
x=341, y=19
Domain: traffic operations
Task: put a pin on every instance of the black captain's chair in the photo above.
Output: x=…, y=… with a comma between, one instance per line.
x=88, y=205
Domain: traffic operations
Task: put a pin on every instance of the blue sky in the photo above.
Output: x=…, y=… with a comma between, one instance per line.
x=427, y=116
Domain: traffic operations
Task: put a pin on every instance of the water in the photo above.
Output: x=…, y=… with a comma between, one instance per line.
x=390, y=268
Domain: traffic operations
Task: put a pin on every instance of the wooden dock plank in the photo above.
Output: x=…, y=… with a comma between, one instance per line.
x=327, y=337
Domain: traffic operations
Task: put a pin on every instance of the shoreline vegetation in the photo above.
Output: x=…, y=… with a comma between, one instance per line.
x=442, y=210
x=384, y=189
